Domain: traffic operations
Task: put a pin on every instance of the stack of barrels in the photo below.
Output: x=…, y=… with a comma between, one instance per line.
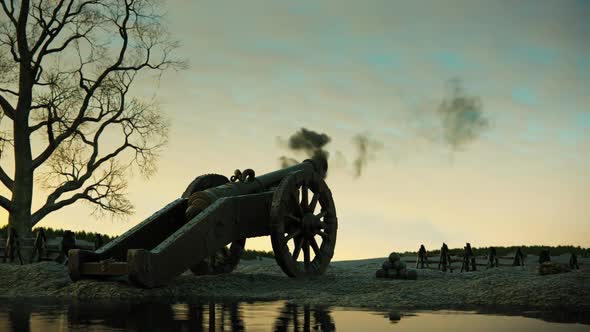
x=394, y=268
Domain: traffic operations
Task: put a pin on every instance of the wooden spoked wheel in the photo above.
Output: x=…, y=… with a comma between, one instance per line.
x=303, y=225
x=226, y=259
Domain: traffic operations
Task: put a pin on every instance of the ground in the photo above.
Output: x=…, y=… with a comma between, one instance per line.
x=346, y=283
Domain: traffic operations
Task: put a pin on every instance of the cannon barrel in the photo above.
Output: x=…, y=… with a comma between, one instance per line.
x=263, y=182
x=203, y=199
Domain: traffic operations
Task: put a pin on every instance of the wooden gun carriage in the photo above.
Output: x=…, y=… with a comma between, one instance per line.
x=206, y=229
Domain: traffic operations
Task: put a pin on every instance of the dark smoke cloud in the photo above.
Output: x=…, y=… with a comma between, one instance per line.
x=366, y=148
x=461, y=117
x=310, y=142
x=304, y=141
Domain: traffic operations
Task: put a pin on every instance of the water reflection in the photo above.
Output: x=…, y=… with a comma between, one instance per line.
x=160, y=316
x=206, y=315
x=300, y=317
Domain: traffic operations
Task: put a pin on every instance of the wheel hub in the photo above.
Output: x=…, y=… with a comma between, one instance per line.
x=310, y=223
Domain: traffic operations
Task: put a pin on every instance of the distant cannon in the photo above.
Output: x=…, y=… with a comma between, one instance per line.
x=293, y=205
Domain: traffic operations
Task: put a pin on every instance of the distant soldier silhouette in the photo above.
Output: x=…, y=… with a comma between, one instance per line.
x=39, y=245
x=97, y=241
x=545, y=256
x=518, y=258
x=12, y=245
x=493, y=258
x=468, y=258
x=68, y=242
x=422, y=257
x=445, y=258
x=472, y=256
x=574, y=261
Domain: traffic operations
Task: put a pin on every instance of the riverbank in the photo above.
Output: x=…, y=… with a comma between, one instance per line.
x=346, y=284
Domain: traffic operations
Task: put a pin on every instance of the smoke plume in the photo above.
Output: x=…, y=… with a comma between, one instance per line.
x=365, y=149
x=310, y=142
x=461, y=117
x=287, y=162
x=304, y=141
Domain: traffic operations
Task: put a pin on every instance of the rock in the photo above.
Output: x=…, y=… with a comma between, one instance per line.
x=387, y=265
x=392, y=274
x=395, y=268
x=401, y=265
x=394, y=257
x=394, y=316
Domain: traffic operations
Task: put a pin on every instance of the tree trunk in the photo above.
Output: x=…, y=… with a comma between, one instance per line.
x=22, y=190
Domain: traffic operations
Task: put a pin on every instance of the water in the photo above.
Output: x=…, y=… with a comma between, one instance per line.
x=266, y=316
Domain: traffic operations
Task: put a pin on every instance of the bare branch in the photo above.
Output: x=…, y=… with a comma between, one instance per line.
x=7, y=107
x=79, y=119
x=14, y=93
x=46, y=26
x=106, y=193
x=143, y=131
x=21, y=30
x=6, y=180
x=5, y=203
x=9, y=11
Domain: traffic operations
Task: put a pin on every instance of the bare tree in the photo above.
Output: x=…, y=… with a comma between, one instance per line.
x=66, y=69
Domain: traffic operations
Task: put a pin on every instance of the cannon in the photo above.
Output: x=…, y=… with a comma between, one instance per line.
x=205, y=230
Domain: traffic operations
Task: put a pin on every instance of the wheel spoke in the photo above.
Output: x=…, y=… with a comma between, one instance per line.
x=323, y=235
x=292, y=235
x=238, y=245
x=293, y=218
x=295, y=197
x=314, y=246
x=297, y=249
x=321, y=214
x=314, y=201
x=306, y=258
x=322, y=224
x=304, y=198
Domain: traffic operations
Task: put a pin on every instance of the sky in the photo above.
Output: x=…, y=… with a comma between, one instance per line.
x=258, y=71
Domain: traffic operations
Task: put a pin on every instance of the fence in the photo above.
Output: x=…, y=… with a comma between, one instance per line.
x=433, y=264
x=51, y=251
